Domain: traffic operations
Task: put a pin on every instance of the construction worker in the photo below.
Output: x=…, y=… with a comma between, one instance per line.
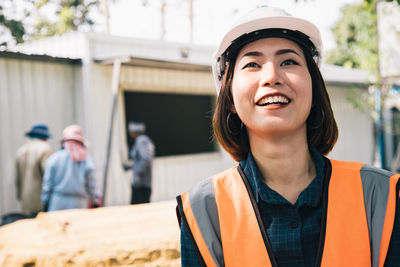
x=142, y=154
x=69, y=180
x=285, y=204
x=29, y=168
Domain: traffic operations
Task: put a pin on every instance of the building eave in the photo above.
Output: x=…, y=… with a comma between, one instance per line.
x=37, y=57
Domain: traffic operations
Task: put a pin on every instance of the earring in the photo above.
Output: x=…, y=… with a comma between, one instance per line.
x=230, y=122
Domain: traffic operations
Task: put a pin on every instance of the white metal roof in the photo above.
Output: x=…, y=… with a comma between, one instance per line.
x=70, y=45
x=339, y=74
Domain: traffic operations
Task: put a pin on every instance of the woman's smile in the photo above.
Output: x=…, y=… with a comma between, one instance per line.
x=273, y=101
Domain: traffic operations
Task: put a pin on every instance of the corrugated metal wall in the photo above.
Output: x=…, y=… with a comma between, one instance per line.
x=31, y=91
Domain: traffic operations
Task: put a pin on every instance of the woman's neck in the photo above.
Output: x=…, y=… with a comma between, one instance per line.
x=285, y=163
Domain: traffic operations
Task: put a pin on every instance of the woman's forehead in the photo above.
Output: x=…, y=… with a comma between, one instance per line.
x=270, y=45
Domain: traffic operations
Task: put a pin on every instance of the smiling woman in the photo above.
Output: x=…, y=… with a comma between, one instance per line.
x=319, y=117
x=286, y=203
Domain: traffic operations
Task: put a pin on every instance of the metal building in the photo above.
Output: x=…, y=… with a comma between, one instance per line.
x=73, y=78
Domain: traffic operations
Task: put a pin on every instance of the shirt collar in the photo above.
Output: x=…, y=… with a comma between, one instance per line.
x=309, y=196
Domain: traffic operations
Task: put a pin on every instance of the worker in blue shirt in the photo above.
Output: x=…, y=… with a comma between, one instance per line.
x=142, y=154
x=69, y=180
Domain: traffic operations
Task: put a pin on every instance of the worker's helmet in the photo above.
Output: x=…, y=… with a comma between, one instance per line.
x=262, y=22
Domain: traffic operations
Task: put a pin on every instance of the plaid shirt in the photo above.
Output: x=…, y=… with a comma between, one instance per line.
x=293, y=229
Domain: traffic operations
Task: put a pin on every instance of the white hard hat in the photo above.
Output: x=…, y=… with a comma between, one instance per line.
x=137, y=127
x=265, y=21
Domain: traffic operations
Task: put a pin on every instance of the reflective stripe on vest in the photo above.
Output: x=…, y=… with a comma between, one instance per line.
x=220, y=215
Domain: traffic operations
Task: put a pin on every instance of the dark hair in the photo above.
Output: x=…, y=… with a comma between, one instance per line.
x=322, y=131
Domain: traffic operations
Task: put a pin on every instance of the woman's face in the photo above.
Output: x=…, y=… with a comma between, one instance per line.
x=272, y=87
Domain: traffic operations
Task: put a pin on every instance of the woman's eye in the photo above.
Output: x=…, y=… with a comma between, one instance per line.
x=289, y=62
x=251, y=65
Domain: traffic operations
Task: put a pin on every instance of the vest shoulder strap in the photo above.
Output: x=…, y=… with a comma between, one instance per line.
x=346, y=243
x=366, y=195
x=239, y=225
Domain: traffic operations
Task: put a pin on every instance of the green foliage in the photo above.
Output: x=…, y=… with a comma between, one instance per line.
x=37, y=21
x=70, y=15
x=356, y=37
x=15, y=28
x=371, y=3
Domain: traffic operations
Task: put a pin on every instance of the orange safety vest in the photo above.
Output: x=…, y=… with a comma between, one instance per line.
x=359, y=203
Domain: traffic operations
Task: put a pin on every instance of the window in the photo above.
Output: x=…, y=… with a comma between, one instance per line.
x=177, y=123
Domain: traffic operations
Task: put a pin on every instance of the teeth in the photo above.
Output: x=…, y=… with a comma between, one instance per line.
x=273, y=100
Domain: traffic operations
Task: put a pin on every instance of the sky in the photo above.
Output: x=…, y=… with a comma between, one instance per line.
x=142, y=18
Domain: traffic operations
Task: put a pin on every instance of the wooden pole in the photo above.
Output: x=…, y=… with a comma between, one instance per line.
x=115, y=92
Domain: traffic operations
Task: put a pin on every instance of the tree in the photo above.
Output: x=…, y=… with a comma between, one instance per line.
x=12, y=29
x=15, y=27
x=371, y=3
x=356, y=36
x=21, y=20
x=357, y=47
x=70, y=15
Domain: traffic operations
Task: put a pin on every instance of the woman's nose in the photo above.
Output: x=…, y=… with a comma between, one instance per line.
x=269, y=75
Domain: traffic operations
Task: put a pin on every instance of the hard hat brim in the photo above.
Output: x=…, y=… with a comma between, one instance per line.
x=284, y=22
